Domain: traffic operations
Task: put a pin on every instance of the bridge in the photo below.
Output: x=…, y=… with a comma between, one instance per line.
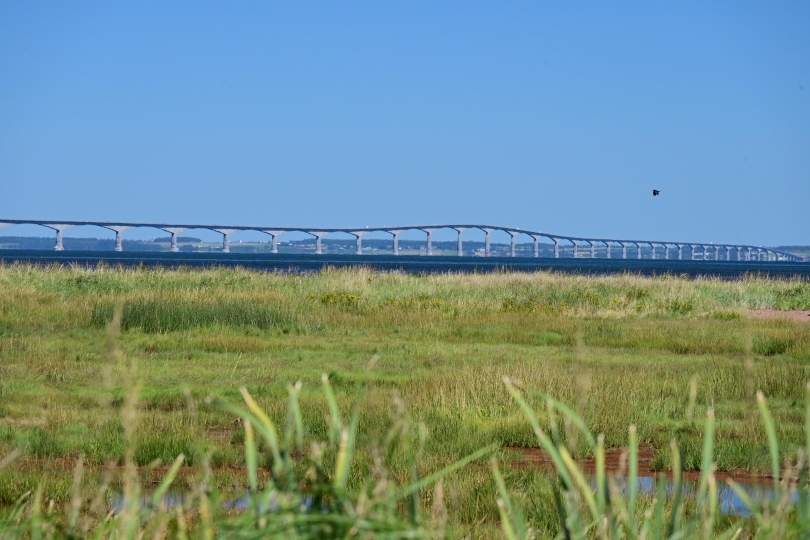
x=571, y=244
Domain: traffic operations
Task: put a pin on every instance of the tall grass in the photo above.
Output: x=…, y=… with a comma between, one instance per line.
x=652, y=352
x=606, y=511
x=303, y=494
x=321, y=494
x=160, y=315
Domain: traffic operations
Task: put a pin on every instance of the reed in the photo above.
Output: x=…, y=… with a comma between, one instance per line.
x=319, y=494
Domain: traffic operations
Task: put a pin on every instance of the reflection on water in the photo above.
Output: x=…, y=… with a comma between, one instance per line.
x=116, y=501
x=729, y=502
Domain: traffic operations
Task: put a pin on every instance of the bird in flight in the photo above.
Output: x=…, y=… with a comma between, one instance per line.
x=656, y=193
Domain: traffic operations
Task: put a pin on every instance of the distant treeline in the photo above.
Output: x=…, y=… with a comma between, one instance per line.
x=77, y=244
x=183, y=239
x=191, y=244
x=342, y=245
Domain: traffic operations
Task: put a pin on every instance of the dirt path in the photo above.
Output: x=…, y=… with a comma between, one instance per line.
x=796, y=315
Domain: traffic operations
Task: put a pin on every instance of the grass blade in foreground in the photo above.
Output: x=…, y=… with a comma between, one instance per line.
x=765, y=522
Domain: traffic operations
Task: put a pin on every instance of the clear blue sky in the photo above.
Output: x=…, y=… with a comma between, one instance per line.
x=553, y=116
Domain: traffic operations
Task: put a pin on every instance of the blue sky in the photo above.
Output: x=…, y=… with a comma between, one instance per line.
x=557, y=117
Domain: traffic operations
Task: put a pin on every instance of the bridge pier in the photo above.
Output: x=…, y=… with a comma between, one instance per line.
x=575, y=249
x=728, y=253
x=624, y=251
x=593, y=250
x=666, y=252
x=273, y=238
x=487, y=242
x=638, y=251
x=514, y=236
x=429, y=233
x=652, y=249
x=174, y=231
x=395, y=234
x=59, y=228
x=460, y=241
x=226, y=238
x=556, y=249
x=318, y=244
x=119, y=232
x=607, y=249
x=536, y=246
x=359, y=240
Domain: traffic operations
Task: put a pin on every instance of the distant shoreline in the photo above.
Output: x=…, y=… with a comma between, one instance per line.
x=411, y=264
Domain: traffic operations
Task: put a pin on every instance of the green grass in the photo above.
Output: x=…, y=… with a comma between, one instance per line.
x=334, y=494
x=620, y=350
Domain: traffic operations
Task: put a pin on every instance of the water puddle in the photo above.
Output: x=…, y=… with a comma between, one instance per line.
x=729, y=502
x=116, y=501
x=757, y=488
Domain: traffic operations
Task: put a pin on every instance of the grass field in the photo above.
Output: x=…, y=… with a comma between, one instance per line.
x=653, y=352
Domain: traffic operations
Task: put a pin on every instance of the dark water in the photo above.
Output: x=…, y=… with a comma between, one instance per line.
x=291, y=262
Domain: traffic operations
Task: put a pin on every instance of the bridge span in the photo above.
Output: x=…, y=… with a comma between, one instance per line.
x=579, y=246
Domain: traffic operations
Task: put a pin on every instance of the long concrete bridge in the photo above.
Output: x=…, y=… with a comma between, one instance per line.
x=697, y=250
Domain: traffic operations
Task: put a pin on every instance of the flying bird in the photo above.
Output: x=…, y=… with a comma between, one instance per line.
x=656, y=193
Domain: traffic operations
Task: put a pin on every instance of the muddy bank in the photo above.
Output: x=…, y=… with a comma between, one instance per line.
x=796, y=315
x=616, y=463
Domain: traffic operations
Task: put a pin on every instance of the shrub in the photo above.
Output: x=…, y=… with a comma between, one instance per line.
x=725, y=315
x=679, y=307
x=343, y=300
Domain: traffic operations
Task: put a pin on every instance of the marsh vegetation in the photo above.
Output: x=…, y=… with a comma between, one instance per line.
x=656, y=353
